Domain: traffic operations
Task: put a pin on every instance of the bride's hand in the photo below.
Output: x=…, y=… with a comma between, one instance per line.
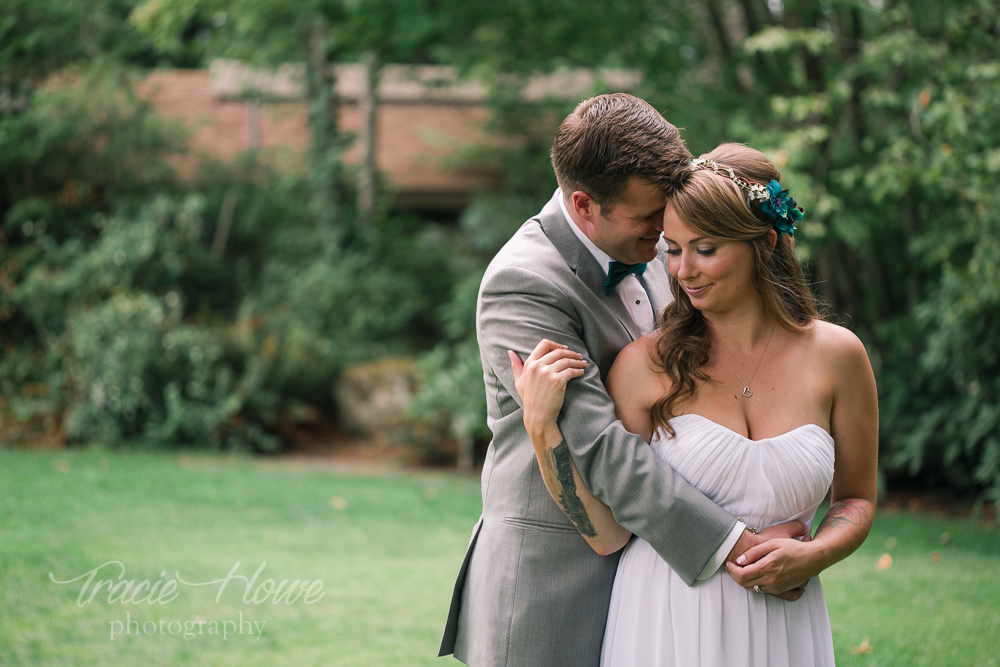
x=541, y=381
x=779, y=567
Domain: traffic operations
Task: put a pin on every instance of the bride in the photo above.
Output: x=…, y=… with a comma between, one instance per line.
x=755, y=400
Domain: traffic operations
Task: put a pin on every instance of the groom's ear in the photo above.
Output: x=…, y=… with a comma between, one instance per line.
x=585, y=206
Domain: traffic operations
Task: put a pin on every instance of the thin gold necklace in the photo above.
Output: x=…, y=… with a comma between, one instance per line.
x=746, y=385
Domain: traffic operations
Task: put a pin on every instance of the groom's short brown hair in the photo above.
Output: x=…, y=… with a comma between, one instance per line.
x=610, y=138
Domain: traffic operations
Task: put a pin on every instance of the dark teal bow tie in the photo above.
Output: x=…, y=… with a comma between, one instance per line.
x=617, y=272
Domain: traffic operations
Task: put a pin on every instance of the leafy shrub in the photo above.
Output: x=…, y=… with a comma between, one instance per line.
x=941, y=381
x=139, y=374
x=451, y=394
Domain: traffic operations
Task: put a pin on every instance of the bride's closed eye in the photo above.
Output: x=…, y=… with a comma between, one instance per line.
x=701, y=251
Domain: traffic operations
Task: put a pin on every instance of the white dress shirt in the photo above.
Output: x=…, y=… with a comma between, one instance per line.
x=636, y=301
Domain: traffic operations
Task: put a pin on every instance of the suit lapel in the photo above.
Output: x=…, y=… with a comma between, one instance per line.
x=582, y=262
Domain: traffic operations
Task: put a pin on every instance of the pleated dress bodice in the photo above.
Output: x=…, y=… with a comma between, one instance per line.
x=656, y=619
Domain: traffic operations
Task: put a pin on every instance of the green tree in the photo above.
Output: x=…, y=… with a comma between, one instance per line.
x=880, y=112
x=317, y=34
x=880, y=115
x=39, y=37
x=883, y=119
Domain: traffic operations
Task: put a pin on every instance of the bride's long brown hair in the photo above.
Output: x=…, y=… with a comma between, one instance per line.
x=713, y=205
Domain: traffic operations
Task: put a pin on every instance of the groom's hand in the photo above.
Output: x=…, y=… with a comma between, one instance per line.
x=750, y=540
x=752, y=547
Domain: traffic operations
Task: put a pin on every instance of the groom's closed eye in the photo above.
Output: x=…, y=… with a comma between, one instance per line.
x=655, y=215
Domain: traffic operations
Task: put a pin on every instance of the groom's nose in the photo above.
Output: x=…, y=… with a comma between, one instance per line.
x=657, y=222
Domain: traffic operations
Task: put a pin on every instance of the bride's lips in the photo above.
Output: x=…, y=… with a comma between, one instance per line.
x=696, y=291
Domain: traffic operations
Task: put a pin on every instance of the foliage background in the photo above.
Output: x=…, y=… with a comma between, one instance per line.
x=121, y=324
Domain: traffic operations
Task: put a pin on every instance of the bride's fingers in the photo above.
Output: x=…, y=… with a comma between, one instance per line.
x=737, y=574
x=749, y=572
x=546, y=364
x=558, y=374
x=544, y=347
x=569, y=374
x=754, y=554
x=567, y=362
x=545, y=369
x=559, y=353
x=516, y=365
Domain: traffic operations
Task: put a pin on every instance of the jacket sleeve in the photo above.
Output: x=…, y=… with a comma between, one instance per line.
x=518, y=308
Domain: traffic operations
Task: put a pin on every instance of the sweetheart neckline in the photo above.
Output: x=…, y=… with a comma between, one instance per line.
x=743, y=437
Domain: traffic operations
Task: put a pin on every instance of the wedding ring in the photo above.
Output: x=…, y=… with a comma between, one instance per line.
x=756, y=589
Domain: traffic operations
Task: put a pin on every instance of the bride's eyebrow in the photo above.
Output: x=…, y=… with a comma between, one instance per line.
x=700, y=238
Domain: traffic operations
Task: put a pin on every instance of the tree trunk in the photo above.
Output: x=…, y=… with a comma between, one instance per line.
x=368, y=107
x=753, y=25
x=466, y=455
x=858, y=83
x=253, y=124
x=224, y=224
x=323, y=118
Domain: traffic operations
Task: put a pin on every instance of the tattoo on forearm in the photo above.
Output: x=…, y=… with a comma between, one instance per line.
x=853, y=512
x=560, y=465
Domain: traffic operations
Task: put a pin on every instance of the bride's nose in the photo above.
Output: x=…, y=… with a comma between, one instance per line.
x=686, y=268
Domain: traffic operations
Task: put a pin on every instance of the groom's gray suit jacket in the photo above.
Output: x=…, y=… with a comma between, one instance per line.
x=531, y=591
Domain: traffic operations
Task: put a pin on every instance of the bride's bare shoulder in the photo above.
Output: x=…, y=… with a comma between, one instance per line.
x=637, y=353
x=638, y=357
x=839, y=348
x=834, y=341
x=635, y=367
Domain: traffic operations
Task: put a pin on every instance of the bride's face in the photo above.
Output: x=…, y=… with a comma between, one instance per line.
x=717, y=275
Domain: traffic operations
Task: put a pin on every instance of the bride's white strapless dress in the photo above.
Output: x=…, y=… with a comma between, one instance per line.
x=657, y=619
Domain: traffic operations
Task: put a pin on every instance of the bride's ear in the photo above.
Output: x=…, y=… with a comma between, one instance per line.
x=772, y=239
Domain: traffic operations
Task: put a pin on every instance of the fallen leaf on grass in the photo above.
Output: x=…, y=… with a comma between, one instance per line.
x=935, y=556
x=884, y=562
x=864, y=648
x=338, y=503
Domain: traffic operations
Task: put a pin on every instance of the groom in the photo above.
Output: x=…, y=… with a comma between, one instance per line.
x=531, y=591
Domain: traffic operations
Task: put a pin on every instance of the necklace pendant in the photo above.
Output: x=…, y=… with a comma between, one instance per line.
x=747, y=392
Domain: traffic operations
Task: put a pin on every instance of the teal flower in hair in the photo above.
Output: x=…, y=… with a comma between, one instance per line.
x=776, y=203
x=781, y=208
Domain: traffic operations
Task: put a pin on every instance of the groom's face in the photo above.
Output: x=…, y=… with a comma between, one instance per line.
x=630, y=228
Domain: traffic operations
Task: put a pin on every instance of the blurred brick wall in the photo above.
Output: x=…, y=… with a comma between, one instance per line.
x=415, y=140
x=427, y=118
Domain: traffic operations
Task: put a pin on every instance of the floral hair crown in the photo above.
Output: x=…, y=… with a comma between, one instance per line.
x=776, y=203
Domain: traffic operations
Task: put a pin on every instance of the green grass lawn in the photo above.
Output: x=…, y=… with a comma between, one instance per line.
x=937, y=604
x=386, y=549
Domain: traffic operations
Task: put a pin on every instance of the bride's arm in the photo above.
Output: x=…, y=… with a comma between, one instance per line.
x=541, y=383
x=854, y=427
